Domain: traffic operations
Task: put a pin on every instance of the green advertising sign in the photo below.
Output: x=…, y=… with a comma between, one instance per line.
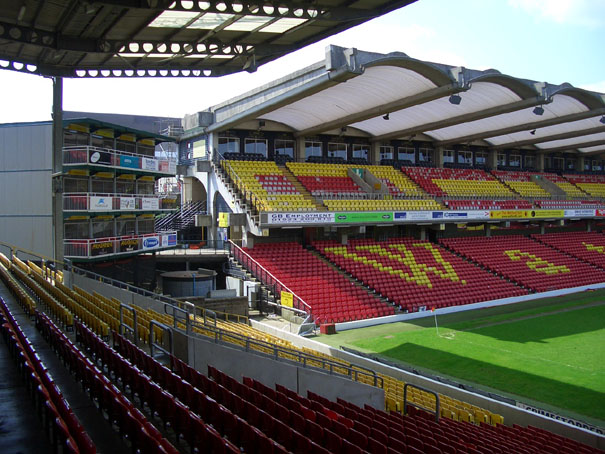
x=363, y=217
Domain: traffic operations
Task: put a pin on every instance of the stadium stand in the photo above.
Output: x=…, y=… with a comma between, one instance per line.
x=587, y=246
x=570, y=204
x=266, y=186
x=382, y=204
x=333, y=298
x=415, y=274
x=325, y=180
x=481, y=204
x=533, y=265
x=399, y=184
x=464, y=183
x=594, y=185
x=521, y=183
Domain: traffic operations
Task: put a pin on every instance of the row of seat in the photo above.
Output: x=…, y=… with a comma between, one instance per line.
x=527, y=262
x=62, y=426
x=587, y=246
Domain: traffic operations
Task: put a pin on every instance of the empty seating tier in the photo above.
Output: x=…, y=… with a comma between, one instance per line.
x=570, y=204
x=382, y=204
x=481, y=204
x=414, y=273
x=457, y=182
x=521, y=182
x=527, y=262
x=332, y=297
x=588, y=246
x=266, y=186
x=593, y=185
x=399, y=184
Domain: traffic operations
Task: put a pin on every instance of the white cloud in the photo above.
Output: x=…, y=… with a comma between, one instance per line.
x=590, y=13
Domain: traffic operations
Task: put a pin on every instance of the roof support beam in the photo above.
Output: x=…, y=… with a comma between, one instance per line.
x=575, y=146
x=523, y=127
x=537, y=140
x=400, y=104
x=472, y=116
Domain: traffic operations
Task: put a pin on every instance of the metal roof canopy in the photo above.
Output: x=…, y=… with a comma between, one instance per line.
x=166, y=38
x=444, y=104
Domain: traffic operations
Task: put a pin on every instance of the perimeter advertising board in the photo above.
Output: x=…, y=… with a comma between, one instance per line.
x=363, y=217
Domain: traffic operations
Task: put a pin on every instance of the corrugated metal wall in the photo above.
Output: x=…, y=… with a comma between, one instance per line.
x=25, y=186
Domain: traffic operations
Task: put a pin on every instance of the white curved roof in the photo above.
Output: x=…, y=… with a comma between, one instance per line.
x=358, y=89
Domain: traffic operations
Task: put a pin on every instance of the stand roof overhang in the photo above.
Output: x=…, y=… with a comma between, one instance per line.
x=129, y=38
x=384, y=97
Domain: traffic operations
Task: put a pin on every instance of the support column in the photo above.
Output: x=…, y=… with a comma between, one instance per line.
x=488, y=230
x=589, y=225
x=299, y=151
x=542, y=228
x=344, y=239
x=57, y=166
x=374, y=153
x=581, y=163
x=540, y=162
x=492, y=159
x=422, y=233
x=439, y=157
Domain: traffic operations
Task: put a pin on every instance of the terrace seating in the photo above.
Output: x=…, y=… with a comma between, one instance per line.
x=522, y=260
x=467, y=183
x=521, y=183
x=271, y=189
x=587, y=246
x=570, y=204
x=325, y=180
x=570, y=189
x=488, y=204
x=332, y=297
x=382, y=204
x=593, y=185
x=415, y=274
x=399, y=184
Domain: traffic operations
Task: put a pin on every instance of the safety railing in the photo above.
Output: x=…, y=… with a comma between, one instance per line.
x=83, y=201
x=262, y=274
x=280, y=353
x=436, y=411
x=95, y=156
x=96, y=247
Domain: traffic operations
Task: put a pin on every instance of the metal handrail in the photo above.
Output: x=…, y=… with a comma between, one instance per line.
x=405, y=400
x=268, y=273
x=354, y=372
x=152, y=344
x=124, y=327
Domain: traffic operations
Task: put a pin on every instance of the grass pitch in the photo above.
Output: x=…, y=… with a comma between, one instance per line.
x=550, y=352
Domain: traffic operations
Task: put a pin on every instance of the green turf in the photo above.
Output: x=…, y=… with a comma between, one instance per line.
x=550, y=351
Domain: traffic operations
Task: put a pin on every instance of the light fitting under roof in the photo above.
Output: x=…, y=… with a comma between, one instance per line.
x=538, y=110
x=387, y=117
x=602, y=120
x=455, y=99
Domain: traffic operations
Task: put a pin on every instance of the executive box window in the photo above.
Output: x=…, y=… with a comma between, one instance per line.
x=284, y=148
x=75, y=184
x=145, y=187
x=361, y=151
x=596, y=165
x=76, y=230
x=228, y=145
x=515, y=160
x=125, y=227
x=559, y=163
x=125, y=186
x=74, y=138
x=312, y=149
x=570, y=164
x=102, y=228
x=146, y=226
x=480, y=158
x=102, y=142
x=530, y=162
x=126, y=146
x=501, y=159
x=256, y=146
x=102, y=185
x=406, y=154
x=425, y=155
x=386, y=152
x=337, y=150
x=448, y=156
x=465, y=157
x=147, y=150
x=548, y=162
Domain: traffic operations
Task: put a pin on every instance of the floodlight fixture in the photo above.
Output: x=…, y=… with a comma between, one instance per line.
x=602, y=120
x=455, y=99
x=538, y=110
x=387, y=117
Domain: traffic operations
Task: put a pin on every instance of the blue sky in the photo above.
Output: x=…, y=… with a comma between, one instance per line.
x=545, y=40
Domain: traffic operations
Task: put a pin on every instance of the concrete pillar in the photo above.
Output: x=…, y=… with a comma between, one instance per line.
x=488, y=230
x=422, y=233
x=439, y=156
x=581, y=163
x=375, y=153
x=492, y=159
x=542, y=228
x=344, y=239
x=213, y=139
x=540, y=162
x=57, y=165
x=299, y=151
x=589, y=225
